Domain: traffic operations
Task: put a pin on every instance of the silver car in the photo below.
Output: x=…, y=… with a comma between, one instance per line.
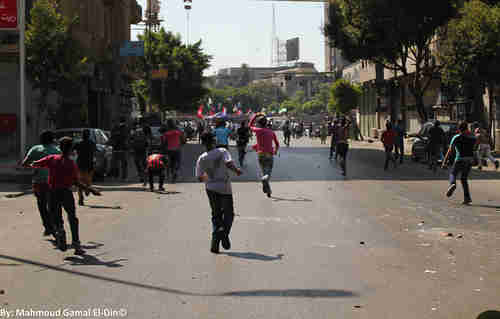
x=104, y=152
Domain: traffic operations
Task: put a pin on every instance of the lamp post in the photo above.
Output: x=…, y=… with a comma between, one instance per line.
x=22, y=76
x=187, y=6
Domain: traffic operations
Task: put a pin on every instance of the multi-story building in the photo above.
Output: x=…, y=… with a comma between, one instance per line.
x=103, y=26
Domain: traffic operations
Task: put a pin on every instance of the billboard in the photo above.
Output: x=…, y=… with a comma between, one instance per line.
x=292, y=49
x=8, y=14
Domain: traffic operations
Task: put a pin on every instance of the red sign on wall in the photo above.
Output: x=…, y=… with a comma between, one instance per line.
x=8, y=123
x=8, y=14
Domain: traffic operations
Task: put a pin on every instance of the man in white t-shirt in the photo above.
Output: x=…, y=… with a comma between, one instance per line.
x=212, y=168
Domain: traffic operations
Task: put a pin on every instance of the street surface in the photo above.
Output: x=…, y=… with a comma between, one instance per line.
x=373, y=244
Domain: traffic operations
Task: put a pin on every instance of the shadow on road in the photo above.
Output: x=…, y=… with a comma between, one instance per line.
x=103, y=207
x=89, y=260
x=304, y=293
x=255, y=256
x=490, y=314
x=486, y=206
x=299, y=199
x=92, y=245
x=7, y=264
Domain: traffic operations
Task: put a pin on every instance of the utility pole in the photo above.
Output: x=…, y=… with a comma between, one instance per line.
x=22, y=76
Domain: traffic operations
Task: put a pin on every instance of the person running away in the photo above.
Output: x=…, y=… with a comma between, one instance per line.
x=212, y=168
x=40, y=179
x=342, y=143
x=484, y=148
x=222, y=133
x=462, y=145
x=63, y=174
x=172, y=141
x=264, y=149
x=85, y=150
x=243, y=135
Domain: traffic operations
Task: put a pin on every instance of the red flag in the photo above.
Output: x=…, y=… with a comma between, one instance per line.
x=239, y=112
x=200, y=112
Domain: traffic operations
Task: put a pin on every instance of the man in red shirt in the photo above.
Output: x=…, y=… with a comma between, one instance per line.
x=389, y=138
x=264, y=148
x=63, y=173
x=155, y=166
x=172, y=141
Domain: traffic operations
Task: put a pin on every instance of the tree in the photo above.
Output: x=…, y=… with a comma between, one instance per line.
x=395, y=34
x=54, y=60
x=471, y=51
x=344, y=96
x=183, y=89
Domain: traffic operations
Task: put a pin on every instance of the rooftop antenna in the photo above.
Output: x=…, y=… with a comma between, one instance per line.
x=274, y=40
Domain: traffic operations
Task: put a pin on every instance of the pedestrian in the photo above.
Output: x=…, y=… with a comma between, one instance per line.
x=85, y=150
x=484, y=148
x=287, y=132
x=40, y=179
x=388, y=139
x=212, y=168
x=333, y=141
x=400, y=140
x=156, y=165
x=342, y=143
x=63, y=174
x=462, y=145
x=222, y=133
x=265, y=150
x=119, y=141
x=323, y=133
x=435, y=143
x=172, y=141
x=243, y=135
x=139, y=144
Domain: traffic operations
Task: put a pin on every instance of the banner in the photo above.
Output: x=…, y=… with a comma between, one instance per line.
x=8, y=14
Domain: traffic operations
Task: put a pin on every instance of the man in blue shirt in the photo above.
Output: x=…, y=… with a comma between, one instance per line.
x=462, y=145
x=222, y=133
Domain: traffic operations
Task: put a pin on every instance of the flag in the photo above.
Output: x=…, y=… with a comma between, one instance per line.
x=200, y=112
x=224, y=111
x=239, y=112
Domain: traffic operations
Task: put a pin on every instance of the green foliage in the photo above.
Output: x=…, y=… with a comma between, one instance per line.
x=183, y=88
x=471, y=50
x=344, y=96
x=54, y=60
x=395, y=34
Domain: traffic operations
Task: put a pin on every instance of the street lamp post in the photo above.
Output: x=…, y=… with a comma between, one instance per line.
x=22, y=76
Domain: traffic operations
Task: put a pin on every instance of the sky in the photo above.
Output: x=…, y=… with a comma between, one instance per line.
x=239, y=31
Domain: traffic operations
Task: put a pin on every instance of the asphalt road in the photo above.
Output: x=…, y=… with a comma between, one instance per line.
x=374, y=244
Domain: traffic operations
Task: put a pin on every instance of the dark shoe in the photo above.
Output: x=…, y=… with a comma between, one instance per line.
x=78, y=249
x=48, y=232
x=451, y=190
x=226, y=243
x=480, y=168
x=467, y=201
x=80, y=202
x=161, y=189
x=61, y=240
x=497, y=164
x=214, y=247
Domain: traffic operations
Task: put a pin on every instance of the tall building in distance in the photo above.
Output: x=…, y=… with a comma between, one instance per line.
x=334, y=61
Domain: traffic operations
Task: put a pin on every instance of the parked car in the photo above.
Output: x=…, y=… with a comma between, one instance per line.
x=104, y=152
x=420, y=139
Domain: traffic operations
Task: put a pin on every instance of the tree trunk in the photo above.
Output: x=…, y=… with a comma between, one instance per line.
x=422, y=113
x=479, y=112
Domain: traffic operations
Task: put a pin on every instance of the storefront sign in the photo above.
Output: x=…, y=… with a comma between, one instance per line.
x=8, y=14
x=8, y=123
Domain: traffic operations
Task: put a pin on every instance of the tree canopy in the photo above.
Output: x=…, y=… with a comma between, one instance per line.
x=344, y=96
x=183, y=89
x=395, y=34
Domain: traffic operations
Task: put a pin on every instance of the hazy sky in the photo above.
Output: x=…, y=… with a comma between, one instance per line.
x=239, y=31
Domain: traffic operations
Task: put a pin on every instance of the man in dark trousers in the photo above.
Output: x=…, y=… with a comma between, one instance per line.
x=119, y=141
x=41, y=177
x=86, y=150
x=243, y=134
x=436, y=142
x=63, y=174
x=462, y=145
x=139, y=144
x=212, y=168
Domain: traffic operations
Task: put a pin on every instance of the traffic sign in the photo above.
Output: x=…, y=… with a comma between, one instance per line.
x=8, y=14
x=159, y=74
x=132, y=48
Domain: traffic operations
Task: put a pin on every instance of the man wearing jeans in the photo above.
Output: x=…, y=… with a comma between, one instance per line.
x=462, y=145
x=212, y=168
x=265, y=137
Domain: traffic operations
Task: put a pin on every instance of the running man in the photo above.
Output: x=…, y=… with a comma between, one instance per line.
x=243, y=135
x=265, y=150
x=222, y=133
x=40, y=179
x=63, y=174
x=287, y=133
x=342, y=143
x=212, y=168
x=388, y=138
x=436, y=142
x=462, y=145
x=333, y=142
x=400, y=140
x=86, y=150
x=484, y=149
x=172, y=141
